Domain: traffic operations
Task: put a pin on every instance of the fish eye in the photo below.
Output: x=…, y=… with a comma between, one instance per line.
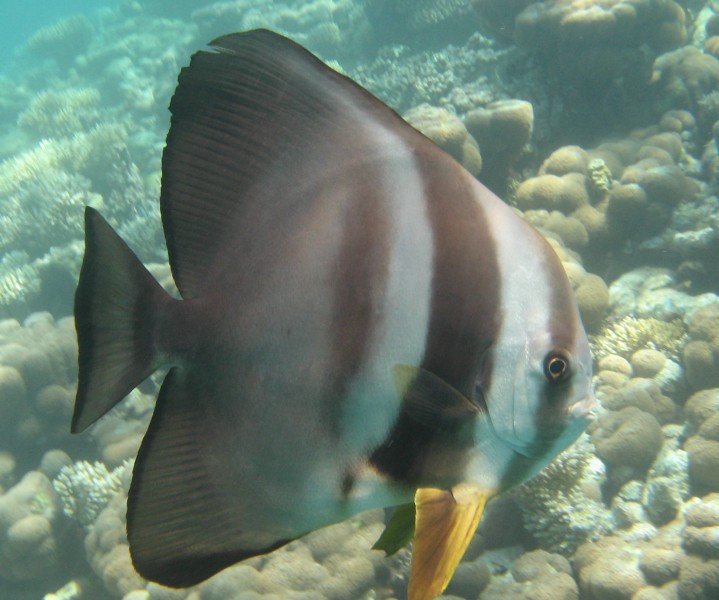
x=556, y=366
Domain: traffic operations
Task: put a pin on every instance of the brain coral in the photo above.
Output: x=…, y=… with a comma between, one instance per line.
x=657, y=23
x=29, y=545
x=702, y=412
x=536, y=575
x=627, y=441
x=447, y=131
x=685, y=75
x=502, y=129
x=701, y=535
x=37, y=373
x=601, y=51
x=609, y=568
x=701, y=354
x=699, y=570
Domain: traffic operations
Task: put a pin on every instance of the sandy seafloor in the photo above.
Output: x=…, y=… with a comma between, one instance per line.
x=597, y=119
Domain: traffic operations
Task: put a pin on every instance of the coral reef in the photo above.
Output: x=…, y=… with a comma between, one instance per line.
x=62, y=41
x=55, y=113
x=623, y=194
x=37, y=377
x=448, y=132
x=699, y=571
x=601, y=52
x=29, y=543
x=562, y=506
x=332, y=28
x=627, y=441
x=334, y=563
x=85, y=488
x=537, y=575
x=609, y=568
x=685, y=76
x=600, y=121
x=628, y=335
x=702, y=411
x=642, y=393
x=701, y=354
x=503, y=129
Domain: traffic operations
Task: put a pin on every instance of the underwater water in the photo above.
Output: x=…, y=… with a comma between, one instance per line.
x=19, y=20
x=596, y=120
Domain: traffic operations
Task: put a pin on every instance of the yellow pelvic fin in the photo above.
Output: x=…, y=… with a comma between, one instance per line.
x=445, y=522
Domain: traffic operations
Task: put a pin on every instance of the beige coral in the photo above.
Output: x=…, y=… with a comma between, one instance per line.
x=502, y=130
x=627, y=441
x=447, y=131
x=54, y=113
x=703, y=445
x=536, y=575
x=29, y=548
x=567, y=159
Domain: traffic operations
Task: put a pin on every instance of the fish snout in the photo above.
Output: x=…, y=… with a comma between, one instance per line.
x=584, y=409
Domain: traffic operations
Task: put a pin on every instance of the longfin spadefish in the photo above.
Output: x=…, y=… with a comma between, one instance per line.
x=444, y=525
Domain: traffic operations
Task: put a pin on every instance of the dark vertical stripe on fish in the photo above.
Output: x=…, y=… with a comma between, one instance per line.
x=465, y=310
x=464, y=319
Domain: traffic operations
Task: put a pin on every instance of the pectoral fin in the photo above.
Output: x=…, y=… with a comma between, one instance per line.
x=428, y=399
x=444, y=524
x=399, y=530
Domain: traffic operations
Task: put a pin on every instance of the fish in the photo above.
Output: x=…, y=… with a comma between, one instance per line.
x=361, y=325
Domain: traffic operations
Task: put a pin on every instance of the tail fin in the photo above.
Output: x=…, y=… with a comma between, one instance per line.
x=116, y=308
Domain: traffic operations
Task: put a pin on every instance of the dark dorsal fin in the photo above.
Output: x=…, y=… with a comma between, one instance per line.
x=245, y=119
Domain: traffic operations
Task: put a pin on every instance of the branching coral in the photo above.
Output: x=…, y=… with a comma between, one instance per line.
x=420, y=14
x=85, y=489
x=63, y=40
x=61, y=113
x=19, y=279
x=555, y=505
x=625, y=336
x=46, y=211
x=87, y=153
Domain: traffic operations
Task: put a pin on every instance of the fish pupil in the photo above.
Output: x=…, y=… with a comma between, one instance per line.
x=555, y=367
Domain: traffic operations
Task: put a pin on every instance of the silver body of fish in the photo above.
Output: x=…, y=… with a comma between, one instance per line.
x=360, y=319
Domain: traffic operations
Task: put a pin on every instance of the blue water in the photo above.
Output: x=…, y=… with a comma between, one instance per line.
x=19, y=19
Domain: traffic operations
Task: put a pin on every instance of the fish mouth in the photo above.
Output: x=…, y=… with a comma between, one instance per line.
x=584, y=409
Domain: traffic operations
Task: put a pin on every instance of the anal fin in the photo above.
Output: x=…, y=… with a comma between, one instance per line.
x=187, y=515
x=444, y=525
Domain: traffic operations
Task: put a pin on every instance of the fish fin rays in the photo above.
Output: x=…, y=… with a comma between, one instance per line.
x=116, y=303
x=444, y=525
x=427, y=398
x=185, y=518
x=257, y=101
